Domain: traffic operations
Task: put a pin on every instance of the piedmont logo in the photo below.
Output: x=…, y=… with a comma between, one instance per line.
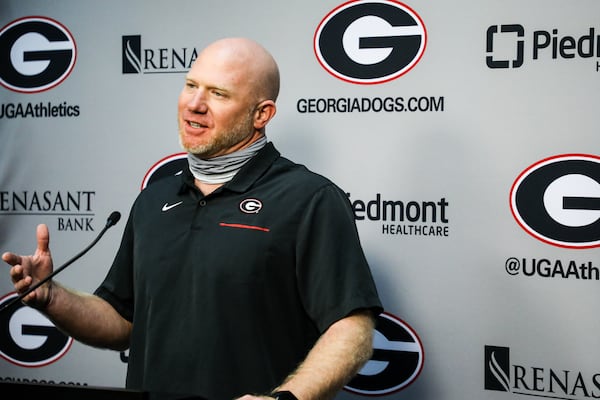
x=29, y=339
x=370, y=42
x=491, y=45
x=397, y=359
x=536, y=381
x=36, y=54
x=405, y=218
x=505, y=45
x=557, y=200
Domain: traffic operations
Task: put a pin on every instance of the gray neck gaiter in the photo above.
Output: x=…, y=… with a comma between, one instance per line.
x=222, y=169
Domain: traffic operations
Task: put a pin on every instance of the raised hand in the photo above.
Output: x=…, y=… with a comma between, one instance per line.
x=27, y=270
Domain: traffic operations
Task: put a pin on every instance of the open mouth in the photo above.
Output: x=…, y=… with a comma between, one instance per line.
x=194, y=124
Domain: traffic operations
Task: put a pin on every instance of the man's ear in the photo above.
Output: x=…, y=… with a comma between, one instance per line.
x=265, y=110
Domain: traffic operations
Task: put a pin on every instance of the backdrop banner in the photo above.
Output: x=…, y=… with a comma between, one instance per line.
x=464, y=133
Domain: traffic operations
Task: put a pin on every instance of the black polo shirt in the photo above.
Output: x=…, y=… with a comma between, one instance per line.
x=228, y=292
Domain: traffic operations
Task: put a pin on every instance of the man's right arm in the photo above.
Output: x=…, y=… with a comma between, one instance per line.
x=87, y=318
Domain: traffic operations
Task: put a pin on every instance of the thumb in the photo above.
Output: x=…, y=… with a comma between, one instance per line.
x=43, y=238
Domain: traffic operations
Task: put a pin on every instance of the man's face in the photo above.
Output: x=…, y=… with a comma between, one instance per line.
x=215, y=108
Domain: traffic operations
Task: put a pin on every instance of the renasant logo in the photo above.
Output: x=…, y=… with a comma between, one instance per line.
x=536, y=381
x=139, y=60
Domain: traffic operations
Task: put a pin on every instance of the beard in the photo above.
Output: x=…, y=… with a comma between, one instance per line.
x=223, y=138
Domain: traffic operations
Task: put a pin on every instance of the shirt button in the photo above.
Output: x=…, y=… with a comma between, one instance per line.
x=202, y=203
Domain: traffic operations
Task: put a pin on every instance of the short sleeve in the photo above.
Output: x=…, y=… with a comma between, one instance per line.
x=334, y=277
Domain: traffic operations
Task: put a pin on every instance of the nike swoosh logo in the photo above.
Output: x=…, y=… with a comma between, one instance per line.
x=168, y=206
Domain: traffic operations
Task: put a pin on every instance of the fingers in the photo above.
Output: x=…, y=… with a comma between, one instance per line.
x=17, y=274
x=28, y=269
x=43, y=245
x=11, y=258
x=23, y=284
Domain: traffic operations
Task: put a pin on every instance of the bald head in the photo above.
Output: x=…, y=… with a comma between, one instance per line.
x=228, y=97
x=261, y=70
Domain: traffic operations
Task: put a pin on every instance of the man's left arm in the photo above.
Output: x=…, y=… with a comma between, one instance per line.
x=336, y=357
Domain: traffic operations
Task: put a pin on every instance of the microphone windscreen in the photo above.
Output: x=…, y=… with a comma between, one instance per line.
x=114, y=217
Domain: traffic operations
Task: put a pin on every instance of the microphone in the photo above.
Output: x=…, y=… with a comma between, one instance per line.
x=113, y=218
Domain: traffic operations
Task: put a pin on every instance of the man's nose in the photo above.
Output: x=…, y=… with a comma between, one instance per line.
x=197, y=102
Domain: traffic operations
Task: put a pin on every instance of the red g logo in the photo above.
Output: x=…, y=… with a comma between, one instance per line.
x=36, y=54
x=370, y=42
x=557, y=200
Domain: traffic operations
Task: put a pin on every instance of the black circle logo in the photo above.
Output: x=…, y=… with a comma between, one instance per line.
x=28, y=338
x=36, y=54
x=557, y=200
x=397, y=359
x=370, y=42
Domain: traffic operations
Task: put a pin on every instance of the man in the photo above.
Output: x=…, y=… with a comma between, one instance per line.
x=242, y=278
